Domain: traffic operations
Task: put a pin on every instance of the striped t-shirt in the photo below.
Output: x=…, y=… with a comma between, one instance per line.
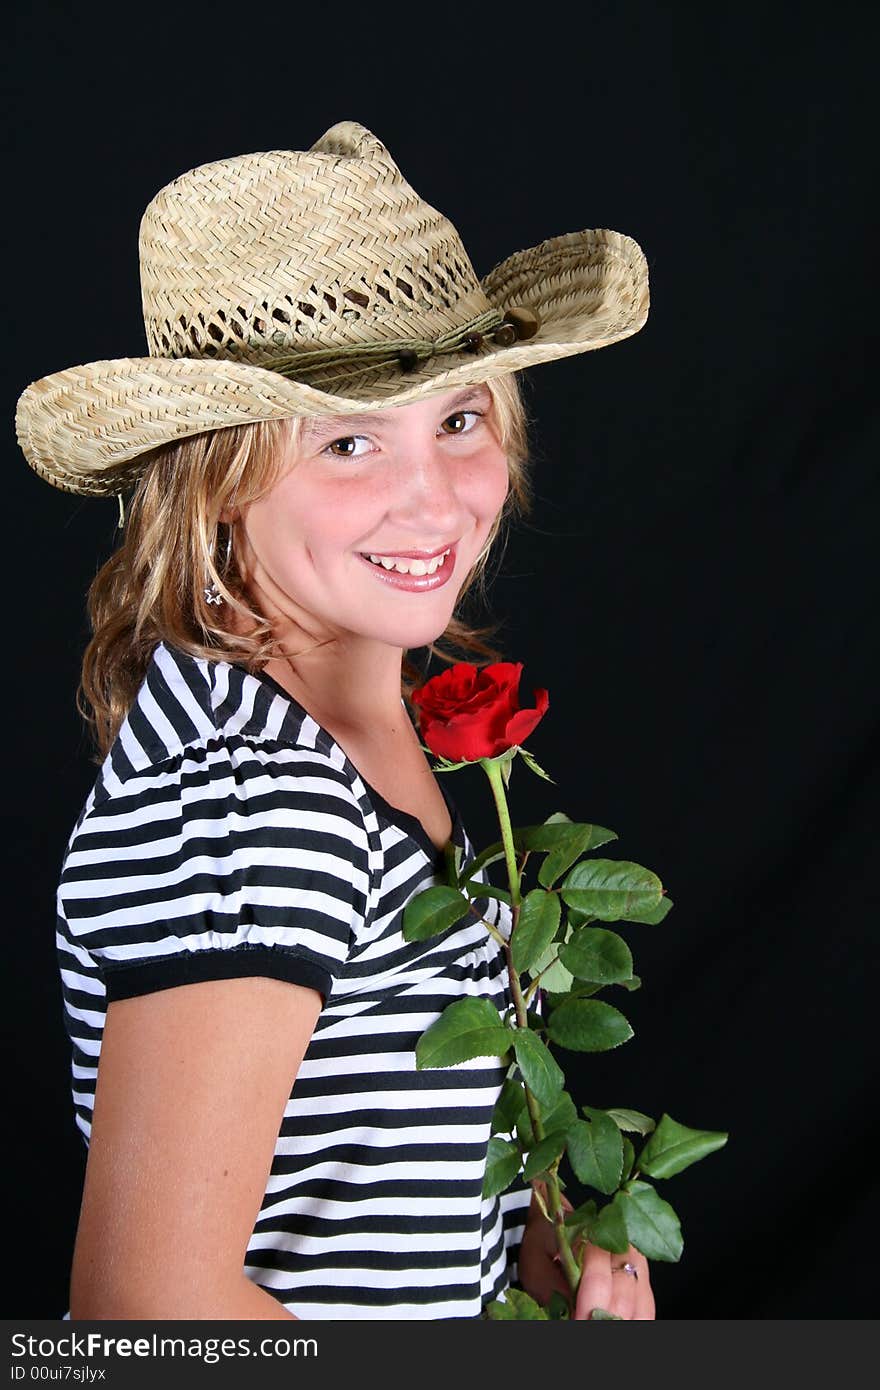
x=228, y=834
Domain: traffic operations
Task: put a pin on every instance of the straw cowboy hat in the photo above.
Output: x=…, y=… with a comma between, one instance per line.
x=315, y=282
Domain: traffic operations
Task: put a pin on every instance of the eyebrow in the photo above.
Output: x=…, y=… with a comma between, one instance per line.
x=323, y=424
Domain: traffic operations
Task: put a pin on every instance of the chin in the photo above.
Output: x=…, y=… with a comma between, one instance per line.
x=415, y=634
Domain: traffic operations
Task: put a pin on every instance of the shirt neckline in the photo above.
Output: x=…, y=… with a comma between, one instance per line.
x=403, y=819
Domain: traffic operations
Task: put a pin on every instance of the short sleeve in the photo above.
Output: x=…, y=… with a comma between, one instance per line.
x=230, y=858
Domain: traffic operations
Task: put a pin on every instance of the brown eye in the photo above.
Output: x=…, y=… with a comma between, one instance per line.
x=462, y=416
x=344, y=448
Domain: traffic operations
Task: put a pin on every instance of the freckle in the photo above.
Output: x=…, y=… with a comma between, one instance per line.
x=226, y=1172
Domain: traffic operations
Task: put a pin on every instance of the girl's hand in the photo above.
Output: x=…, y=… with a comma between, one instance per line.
x=604, y=1282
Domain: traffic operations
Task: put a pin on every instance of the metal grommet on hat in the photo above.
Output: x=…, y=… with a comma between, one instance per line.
x=525, y=322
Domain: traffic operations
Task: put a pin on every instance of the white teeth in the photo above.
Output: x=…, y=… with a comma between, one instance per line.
x=414, y=567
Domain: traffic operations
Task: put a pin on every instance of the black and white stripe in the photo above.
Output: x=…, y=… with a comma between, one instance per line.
x=228, y=834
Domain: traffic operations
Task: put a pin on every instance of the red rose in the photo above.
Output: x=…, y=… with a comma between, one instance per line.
x=466, y=714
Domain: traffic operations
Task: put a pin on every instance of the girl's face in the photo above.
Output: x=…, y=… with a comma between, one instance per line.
x=409, y=485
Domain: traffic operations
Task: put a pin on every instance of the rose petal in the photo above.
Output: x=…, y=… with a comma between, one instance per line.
x=527, y=720
x=459, y=741
x=467, y=713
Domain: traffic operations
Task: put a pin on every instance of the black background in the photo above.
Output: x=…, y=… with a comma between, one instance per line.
x=697, y=584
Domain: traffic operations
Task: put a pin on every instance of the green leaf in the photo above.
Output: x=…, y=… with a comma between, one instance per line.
x=612, y=889
x=541, y=1072
x=609, y=1229
x=555, y=831
x=510, y=1102
x=554, y=977
x=468, y=1028
x=579, y=919
x=651, y=1223
x=595, y=1151
x=476, y=889
x=544, y=1154
x=673, y=1147
x=593, y=953
x=629, y=1158
x=560, y=1114
x=632, y=1120
x=486, y=856
x=562, y=840
x=524, y=1132
x=585, y=988
x=552, y=998
x=652, y=915
x=502, y=1166
x=557, y=1307
x=452, y=857
x=443, y=764
x=517, y=1306
x=530, y=762
x=535, y=928
x=588, y=1025
x=582, y=1219
x=577, y=841
x=432, y=911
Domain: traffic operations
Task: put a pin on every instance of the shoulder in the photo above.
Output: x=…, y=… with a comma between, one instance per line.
x=213, y=765
x=209, y=719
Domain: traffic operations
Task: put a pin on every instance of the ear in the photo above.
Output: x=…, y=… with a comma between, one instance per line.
x=229, y=516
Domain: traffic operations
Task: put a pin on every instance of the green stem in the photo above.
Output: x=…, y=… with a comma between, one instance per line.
x=554, y=1195
x=496, y=781
x=536, y=982
x=493, y=931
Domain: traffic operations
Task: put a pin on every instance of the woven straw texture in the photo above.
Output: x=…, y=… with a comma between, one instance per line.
x=291, y=282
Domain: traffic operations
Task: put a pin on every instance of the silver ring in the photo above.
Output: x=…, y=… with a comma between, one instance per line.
x=626, y=1269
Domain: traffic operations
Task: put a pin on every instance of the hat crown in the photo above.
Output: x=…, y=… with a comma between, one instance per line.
x=296, y=251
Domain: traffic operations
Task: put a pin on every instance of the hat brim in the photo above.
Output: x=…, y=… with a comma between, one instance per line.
x=85, y=429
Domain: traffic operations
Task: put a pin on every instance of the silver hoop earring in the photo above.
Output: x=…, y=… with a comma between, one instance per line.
x=211, y=591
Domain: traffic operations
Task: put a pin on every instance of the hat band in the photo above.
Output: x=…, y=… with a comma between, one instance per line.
x=502, y=329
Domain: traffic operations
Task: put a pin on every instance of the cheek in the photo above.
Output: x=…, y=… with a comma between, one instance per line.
x=314, y=515
x=488, y=483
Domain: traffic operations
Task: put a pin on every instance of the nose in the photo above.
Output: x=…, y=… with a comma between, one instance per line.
x=426, y=503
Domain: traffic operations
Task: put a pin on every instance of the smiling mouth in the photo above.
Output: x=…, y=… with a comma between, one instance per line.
x=411, y=573
x=408, y=564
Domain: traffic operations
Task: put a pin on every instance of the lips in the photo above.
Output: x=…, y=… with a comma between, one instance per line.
x=409, y=554
x=414, y=583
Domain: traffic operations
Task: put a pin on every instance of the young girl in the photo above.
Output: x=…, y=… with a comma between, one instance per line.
x=324, y=443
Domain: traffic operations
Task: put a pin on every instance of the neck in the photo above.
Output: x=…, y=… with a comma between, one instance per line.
x=350, y=683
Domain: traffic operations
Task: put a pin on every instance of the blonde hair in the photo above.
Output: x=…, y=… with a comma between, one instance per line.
x=153, y=587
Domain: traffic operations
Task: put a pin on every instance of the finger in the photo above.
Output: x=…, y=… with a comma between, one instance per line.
x=645, y=1310
x=633, y=1297
x=626, y=1276
x=545, y=1277
x=596, y=1288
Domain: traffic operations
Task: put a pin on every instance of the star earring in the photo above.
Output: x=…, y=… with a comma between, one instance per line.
x=211, y=591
